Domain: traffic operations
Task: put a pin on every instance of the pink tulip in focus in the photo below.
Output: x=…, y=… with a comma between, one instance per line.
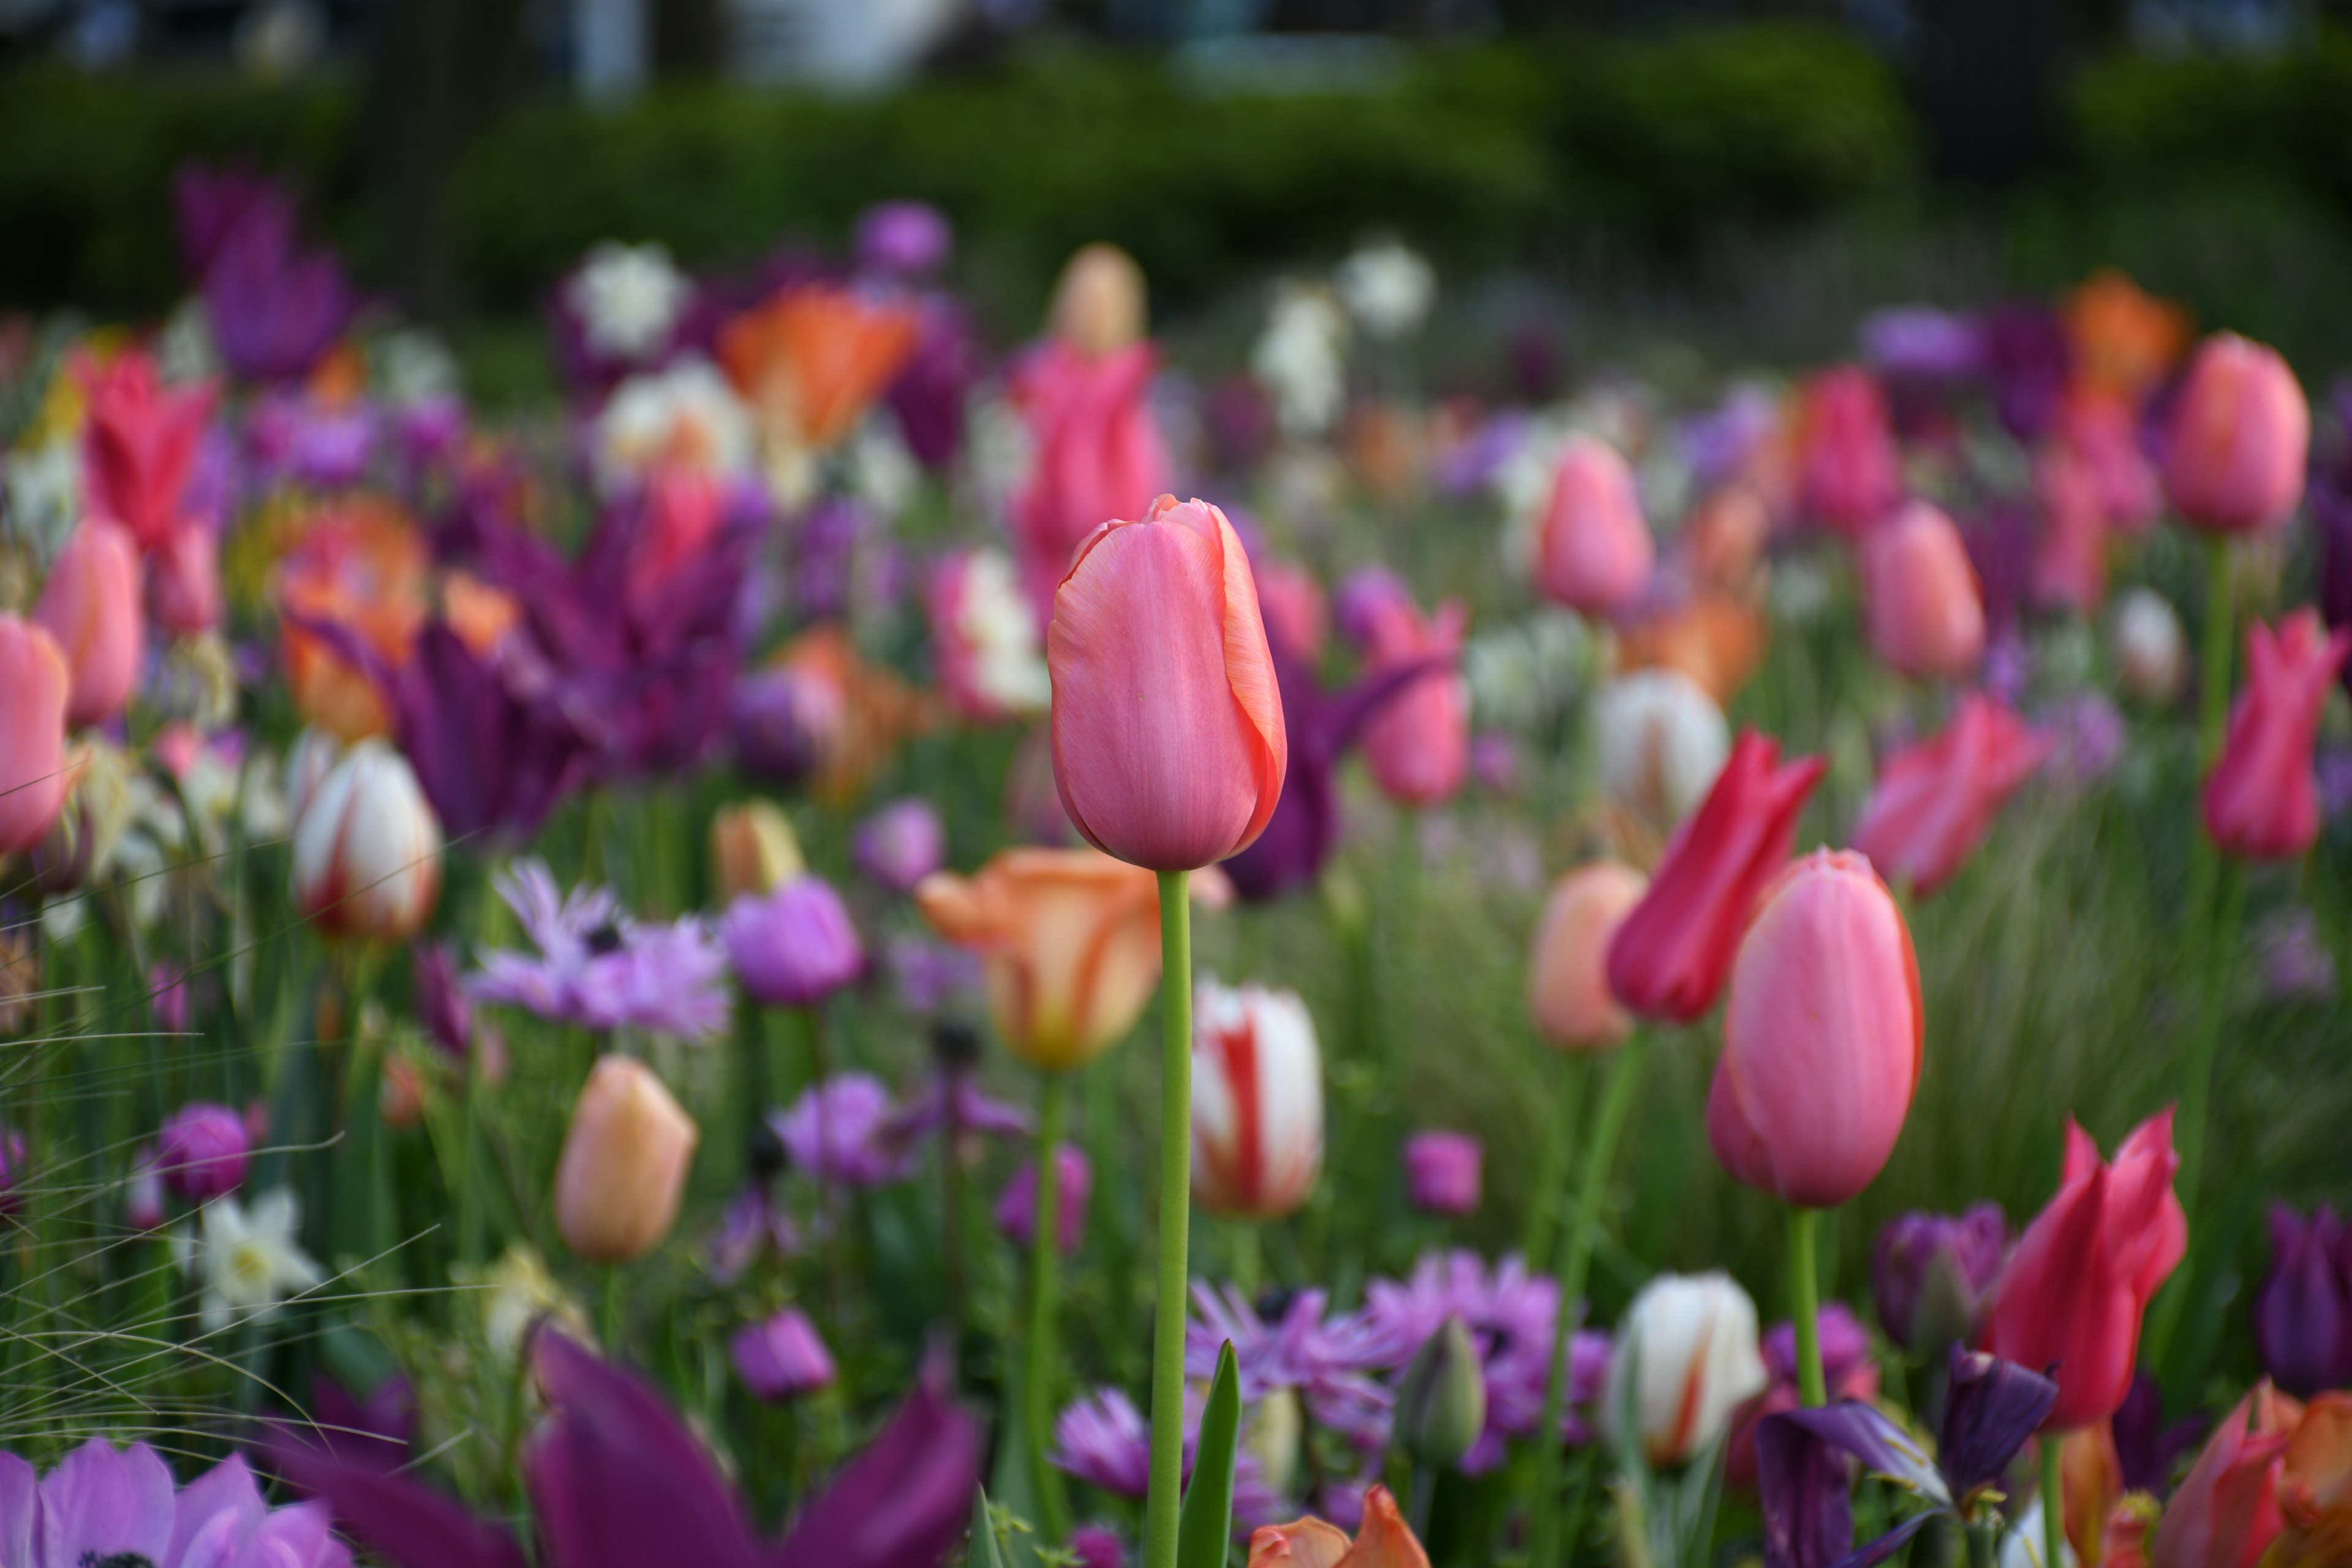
x=139, y=440
x=1934, y=802
x=1568, y=970
x=1593, y=553
x=33, y=777
x=1169, y=746
x=623, y=1169
x=1823, y=1036
x=90, y=605
x=1096, y=453
x=1258, y=1102
x=184, y=585
x=2261, y=799
x=1848, y=473
x=2241, y=431
x=1418, y=744
x=1919, y=596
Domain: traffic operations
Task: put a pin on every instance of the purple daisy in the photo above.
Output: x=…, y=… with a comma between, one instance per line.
x=599, y=969
x=100, y=1505
x=1324, y=1362
x=838, y=1130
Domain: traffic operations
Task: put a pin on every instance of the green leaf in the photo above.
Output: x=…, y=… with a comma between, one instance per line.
x=1204, y=1528
x=981, y=1553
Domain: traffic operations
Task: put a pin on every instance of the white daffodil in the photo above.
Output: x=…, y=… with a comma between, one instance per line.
x=248, y=1258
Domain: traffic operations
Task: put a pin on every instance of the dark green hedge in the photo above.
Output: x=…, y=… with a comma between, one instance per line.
x=2283, y=119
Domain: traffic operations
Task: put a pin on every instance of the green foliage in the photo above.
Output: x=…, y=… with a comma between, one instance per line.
x=1206, y=1524
x=2286, y=116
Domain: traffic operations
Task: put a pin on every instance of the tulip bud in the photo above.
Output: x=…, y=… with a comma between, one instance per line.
x=1442, y=1171
x=1929, y=1274
x=1593, y=551
x=1661, y=742
x=1258, y=1102
x=201, y=1151
x=753, y=850
x=2145, y=641
x=901, y=844
x=184, y=585
x=2302, y=1314
x=1016, y=1207
x=2261, y=799
x=1686, y=1356
x=624, y=1165
x=1568, y=970
x=367, y=848
x=795, y=946
x=2225, y=1512
x=90, y=605
x=1848, y=473
x=781, y=1357
x=33, y=773
x=1441, y=1405
x=1098, y=304
x=2241, y=431
x=1920, y=597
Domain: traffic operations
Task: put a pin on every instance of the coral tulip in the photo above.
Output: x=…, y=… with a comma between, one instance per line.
x=1258, y=1100
x=1687, y=1358
x=90, y=605
x=2261, y=799
x=1096, y=453
x=1568, y=968
x=1593, y=552
x=815, y=356
x=623, y=1169
x=1673, y=950
x=1383, y=1541
x=1934, y=802
x=362, y=568
x=1920, y=597
x=140, y=440
x=2078, y=1283
x=2225, y=1513
x=2316, y=1492
x=1418, y=744
x=1169, y=743
x=367, y=848
x=1822, y=1035
x=1848, y=473
x=2241, y=431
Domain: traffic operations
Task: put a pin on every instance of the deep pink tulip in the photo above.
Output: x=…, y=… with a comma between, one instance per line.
x=1822, y=1035
x=184, y=585
x=1848, y=473
x=1096, y=452
x=1934, y=801
x=90, y=605
x=1442, y=1171
x=139, y=445
x=1418, y=744
x=2075, y=1289
x=2261, y=799
x=1594, y=554
x=33, y=685
x=1169, y=746
x=1673, y=952
x=1016, y=1206
x=1920, y=597
x=2240, y=432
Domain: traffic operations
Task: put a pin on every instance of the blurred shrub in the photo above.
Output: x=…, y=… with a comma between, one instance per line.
x=2287, y=118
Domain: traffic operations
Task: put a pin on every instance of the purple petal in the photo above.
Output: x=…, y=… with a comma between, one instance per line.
x=1804, y=1482
x=1888, y=1544
x=19, y=1487
x=98, y=1504
x=904, y=1502
x=402, y=1521
x=226, y=1491
x=1993, y=1407
x=1854, y=1427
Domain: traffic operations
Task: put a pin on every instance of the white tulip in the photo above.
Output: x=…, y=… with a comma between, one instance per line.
x=2145, y=641
x=1258, y=1100
x=1301, y=359
x=1387, y=289
x=1661, y=740
x=628, y=298
x=367, y=847
x=1686, y=1358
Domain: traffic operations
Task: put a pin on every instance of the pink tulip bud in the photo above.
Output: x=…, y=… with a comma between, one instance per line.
x=2241, y=431
x=1417, y=744
x=33, y=777
x=1848, y=473
x=1919, y=595
x=1442, y=1171
x=781, y=1356
x=1169, y=746
x=1258, y=1102
x=2261, y=799
x=367, y=848
x=184, y=585
x=623, y=1170
x=1594, y=552
x=90, y=605
x=1568, y=971
x=1935, y=802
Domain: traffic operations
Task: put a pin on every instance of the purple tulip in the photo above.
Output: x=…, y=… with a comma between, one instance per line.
x=373, y=1431
x=776, y=719
x=201, y=1151
x=936, y=383
x=1845, y=1344
x=781, y=1357
x=1441, y=1171
x=167, y=995
x=2146, y=1446
x=2302, y=1314
x=1929, y=1274
x=274, y=309
x=901, y=844
x=1016, y=1208
x=904, y=240
x=99, y=1506
x=839, y=1131
x=795, y=946
x=2030, y=362
x=209, y=204
x=439, y=1001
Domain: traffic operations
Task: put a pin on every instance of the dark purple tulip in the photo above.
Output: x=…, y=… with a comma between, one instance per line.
x=1929, y=1273
x=2000, y=545
x=1992, y=1407
x=274, y=309
x=201, y=1151
x=1807, y=1488
x=932, y=387
x=776, y=719
x=209, y=204
x=372, y=1432
x=904, y=240
x=2028, y=361
x=2302, y=1315
x=901, y=844
x=439, y=1001
x=2147, y=1447
x=795, y=946
x=904, y=1502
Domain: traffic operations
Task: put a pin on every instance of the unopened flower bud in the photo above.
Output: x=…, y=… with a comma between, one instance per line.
x=1441, y=1408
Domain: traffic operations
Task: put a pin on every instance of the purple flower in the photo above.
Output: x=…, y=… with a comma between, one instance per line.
x=936, y=383
x=1923, y=346
x=103, y=1507
x=1441, y=1171
x=439, y=1001
x=1845, y=1344
x=2334, y=767
x=597, y=968
x=207, y=203
x=1098, y=1546
x=1102, y=1439
x=901, y=844
x=373, y=1431
x=292, y=436
x=167, y=995
x=781, y=1357
x=2302, y=1314
x=929, y=974
x=1470, y=464
x=795, y=946
x=751, y=1224
x=1292, y=1346
x=274, y=309
x=1495, y=761
x=2030, y=362
x=201, y=1151
x=904, y=240
x=954, y=1101
x=2091, y=737
x=1016, y=1207
x=2296, y=965
x=824, y=552
x=1363, y=596
x=1722, y=445
x=838, y=1131
x=2146, y=1446
x=777, y=720
x=1929, y=1273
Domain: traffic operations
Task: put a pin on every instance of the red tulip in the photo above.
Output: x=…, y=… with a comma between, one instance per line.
x=1848, y=473
x=90, y=605
x=2226, y=1513
x=1593, y=553
x=1934, y=802
x=2074, y=1291
x=1096, y=452
x=1822, y=1035
x=1168, y=747
x=2234, y=452
x=1919, y=595
x=33, y=682
x=139, y=445
x=1670, y=957
x=2261, y=799
x=1418, y=743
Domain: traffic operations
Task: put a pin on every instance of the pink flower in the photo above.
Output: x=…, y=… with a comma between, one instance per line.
x=1418, y=744
x=1441, y=1171
x=32, y=774
x=1934, y=801
x=139, y=445
x=1593, y=553
x=1848, y=473
x=1096, y=452
x=1920, y=597
x=2234, y=452
x=2261, y=799
x=90, y=605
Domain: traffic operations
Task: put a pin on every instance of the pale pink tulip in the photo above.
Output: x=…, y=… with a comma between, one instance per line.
x=90, y=605
x=1594, y=554
x=1919, y=596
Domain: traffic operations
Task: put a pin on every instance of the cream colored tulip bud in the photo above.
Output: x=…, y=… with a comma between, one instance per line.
x=1099, y=303
x=624, y=1161
x=753, y=850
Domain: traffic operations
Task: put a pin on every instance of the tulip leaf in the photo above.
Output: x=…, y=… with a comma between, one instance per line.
x=1204, y=1530
x=982, y=1552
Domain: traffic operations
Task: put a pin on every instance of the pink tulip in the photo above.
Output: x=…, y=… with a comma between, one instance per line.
x=33, y=685
x=1418, y=744
x=90, y=605
x=1297, y=615
x=1934, y=802
x=1919, y=596
x=139, y=445
x=2261, y=799
x=624, y=1165
x=184, y=585
x=2241, y=431
x=1568, y=970
x=1096, y=452
x=2070, y=565
x=1823, y=1036
x=1169, y=746
x=1848, y=473
x=1593, y=553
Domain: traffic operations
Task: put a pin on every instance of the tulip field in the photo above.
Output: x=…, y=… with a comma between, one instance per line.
x=860, y=943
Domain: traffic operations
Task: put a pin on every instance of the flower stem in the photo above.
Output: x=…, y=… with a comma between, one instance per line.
x=2053, y=1504
x=1045, y=1254
x=1805, y=1305
x=1551, y=1175
x=1175, y=1218
x=1576, y=1256
x=2213, y=696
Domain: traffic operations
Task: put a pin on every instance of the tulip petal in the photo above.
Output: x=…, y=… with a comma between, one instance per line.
x=1992, y=1408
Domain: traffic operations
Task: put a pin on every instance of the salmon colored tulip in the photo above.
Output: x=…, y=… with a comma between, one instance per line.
x=140, y=440
x=90, y=605
x=2241, y=432
x=1823, y=1036
x=364, y=567
x=1934, y=802
x=34, y=682
x=1383, y=1541
x=2261, y=799
x=1099, y=303
x=184, y=581
x=1675, y=949
x=1258, y=1102
x=624, y=1165
x=1848, y=473
x=815, y=356
x=2124, y=338
x=1919, y=596
x=1169, y=746
x=1593, y=552
x=2225, y=1513
x=1568, y=971
x=1096, y=453
x=367, y=848
x=1418, y=743
x=2077, y=1284
x=2316, y=1493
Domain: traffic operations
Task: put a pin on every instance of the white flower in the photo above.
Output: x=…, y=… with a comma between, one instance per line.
x=367, y=847
x=1686, y=1357
x=1258, y=1100
x=412, y=367
x=248, y=1258
x=2021, y=1546
x=1387, y=289
x=2145, y=641
x=881, y=470
x=43, y=494
x=686, y=413
x=628, y=298
x=1301, y=359
x=1524, y=671
x=1661, y=740
x=518, y=1291
x=1008, y=665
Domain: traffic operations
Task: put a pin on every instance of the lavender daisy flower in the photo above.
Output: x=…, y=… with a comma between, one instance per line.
x=2296, y=963
x=2092, y=737
x=1102, y=1440
x=1323, y=1363
x=751, y=1224
x=102, y=1506
x=953, y=1101
x=839, y=1131
x=597, y=968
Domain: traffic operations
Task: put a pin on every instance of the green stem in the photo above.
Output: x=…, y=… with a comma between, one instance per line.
x=610, y=1327
x=1551, y=1172
x=1576, y=1256
x=1045, y=1257
x=469, y=1165
x=2053, y=1504
x=2213, y=697
x=1159, y=1511
x=1984, y=1548
x=1805, y=1305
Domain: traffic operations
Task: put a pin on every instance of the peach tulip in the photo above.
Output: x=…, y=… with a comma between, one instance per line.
x=1568, y=971
x=1169, y=746
x=2241, y=431
x=1593, y=552
x=1823, y=1036
x=1919, y=596
x=1934, y=802
x=90, y=605
x=624, y=1165
x=2316, y=1491
x=1258, y=1102
x=2124, y=338
x=367, y=848
x=1099, y=303
x=814, y=357
x=34, y=682
x=1383, y=1541
x=2261, y=799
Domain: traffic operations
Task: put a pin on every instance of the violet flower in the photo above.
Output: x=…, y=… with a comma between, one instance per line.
x=1016, y=1207
x=929, y=974
x=274, y=309
x=600, y=970
x=2091, y=737
x=2302, y=1314
x=439, y=1000
x=901, y=844
x=167, y=995
x=13, y=1170
x=935, y=385
x=100, y=1506
x=2296, y=965
x=373, y=1431
x=1442, y=1171
x=837, y=1130
x=752, y=1223
x=1102, y=1439
x=2029, y=362
x=201, y=1151
x=1098, y=1546
x=795, y=946
x=1929, y=1274
x=1291, y=1345
x=781, y=1357
x=904, y=238
x=953, y=1102
x=2146, y=1446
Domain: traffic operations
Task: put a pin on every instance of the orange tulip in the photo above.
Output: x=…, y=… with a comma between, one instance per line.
x=2316, y=1491
x=362, y=567
x=1568, y=971
x=1384, y=1541
x=865, y=710
x=2124, y=338
x=814, y=357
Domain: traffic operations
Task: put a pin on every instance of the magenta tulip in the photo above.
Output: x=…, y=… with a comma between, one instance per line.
x=1594, y=552
x=2261, y=799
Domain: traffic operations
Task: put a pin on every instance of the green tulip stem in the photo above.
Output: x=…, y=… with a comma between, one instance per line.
x=1805, y=1305
x=2054, y=1504
x=1551, y=1174
x=1576, y=1257
x=2219, y=646
x=1045, y=1257
x=1159, y=1509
